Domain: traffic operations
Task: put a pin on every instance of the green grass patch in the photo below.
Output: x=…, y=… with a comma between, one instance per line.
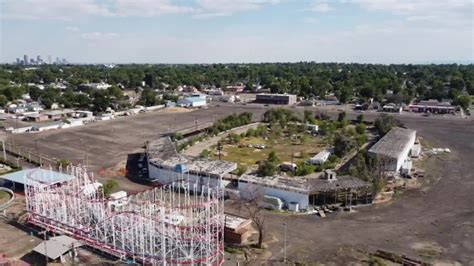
x=247, y=156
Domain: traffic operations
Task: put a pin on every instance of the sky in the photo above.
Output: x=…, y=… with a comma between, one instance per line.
x=238, y=31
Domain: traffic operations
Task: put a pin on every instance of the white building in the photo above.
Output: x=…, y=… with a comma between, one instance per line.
x=166, y=165
x=98, y=86
x=300, y=193
x=394, y=148
x=288, y=189
x=192, y=102
x=321, y=157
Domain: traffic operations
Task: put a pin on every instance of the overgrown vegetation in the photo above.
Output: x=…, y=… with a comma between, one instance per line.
x=269, y=166
x=230, y=122
x=385, y=122
x=109, y=186
x=371, y=169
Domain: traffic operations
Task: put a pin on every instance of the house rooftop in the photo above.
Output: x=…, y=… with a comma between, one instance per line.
x=393, y=143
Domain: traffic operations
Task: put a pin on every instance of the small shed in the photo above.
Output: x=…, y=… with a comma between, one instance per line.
x=236, y=229
x=192, y=102
x=57, y=246
x=321, y=157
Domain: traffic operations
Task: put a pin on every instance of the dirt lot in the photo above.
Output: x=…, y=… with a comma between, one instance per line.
x=436, y=222
x=108, y=143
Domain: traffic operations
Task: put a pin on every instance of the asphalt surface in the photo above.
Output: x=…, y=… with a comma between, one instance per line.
x=442, y=214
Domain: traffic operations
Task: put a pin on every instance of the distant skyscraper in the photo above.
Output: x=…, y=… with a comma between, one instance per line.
x=25, y=59
x=49, y=60
x=39, y=61
x=18, y=61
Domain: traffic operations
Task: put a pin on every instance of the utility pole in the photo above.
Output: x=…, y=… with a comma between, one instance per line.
x=4, y=152
x=219, y=148
x=284, y=258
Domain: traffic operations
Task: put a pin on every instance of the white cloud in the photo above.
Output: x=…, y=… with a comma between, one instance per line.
x=311, y=20
x=216, y=8
x=50, y=9
x=321, y=6
x=72, y=28
x=98, y=36
x=72, y=9
x=148, y=8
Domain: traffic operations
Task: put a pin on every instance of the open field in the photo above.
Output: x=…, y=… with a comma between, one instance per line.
x=438, y=217
x=242, y=154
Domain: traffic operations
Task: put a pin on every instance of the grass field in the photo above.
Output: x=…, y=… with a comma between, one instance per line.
x=284, y=147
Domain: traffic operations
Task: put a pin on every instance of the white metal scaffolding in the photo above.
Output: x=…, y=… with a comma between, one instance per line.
x=168, y=225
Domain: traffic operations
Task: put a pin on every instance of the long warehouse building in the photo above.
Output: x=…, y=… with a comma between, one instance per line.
x=394, y=148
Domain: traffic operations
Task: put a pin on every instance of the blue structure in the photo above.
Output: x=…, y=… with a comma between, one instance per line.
x=181, y=168
x=41, y=175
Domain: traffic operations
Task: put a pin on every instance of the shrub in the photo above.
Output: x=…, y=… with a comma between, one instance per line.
x=205, y=153
x=266, y=168
x=109, y=186
x=360, y=128
x=304, y=169
x=241, y=170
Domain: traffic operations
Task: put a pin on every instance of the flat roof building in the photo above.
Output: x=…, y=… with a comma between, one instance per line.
x=284, y=99
x=394, y=148
x=192, y=102
x=432, y=106
x=166, y=165
x=303, y=191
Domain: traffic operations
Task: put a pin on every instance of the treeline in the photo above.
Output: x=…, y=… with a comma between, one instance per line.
x=231, y=121
x=305, y=79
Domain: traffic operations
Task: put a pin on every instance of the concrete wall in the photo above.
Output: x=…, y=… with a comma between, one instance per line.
x=406, y=151
x=248, y=190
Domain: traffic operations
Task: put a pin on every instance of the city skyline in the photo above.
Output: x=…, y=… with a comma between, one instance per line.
x=38, y=60
x=239, y=31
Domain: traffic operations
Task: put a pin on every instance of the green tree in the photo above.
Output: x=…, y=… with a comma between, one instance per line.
x=267, y=168
x=148, y=97
x=3, y=100
x=273, y=157
x=385, y=122
x=241, y=169
x=341, y=116
x=360, y=128
x=304, y=168
x=360, y=118
x=342, y=145
x=464, y=101
x=109, y=187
